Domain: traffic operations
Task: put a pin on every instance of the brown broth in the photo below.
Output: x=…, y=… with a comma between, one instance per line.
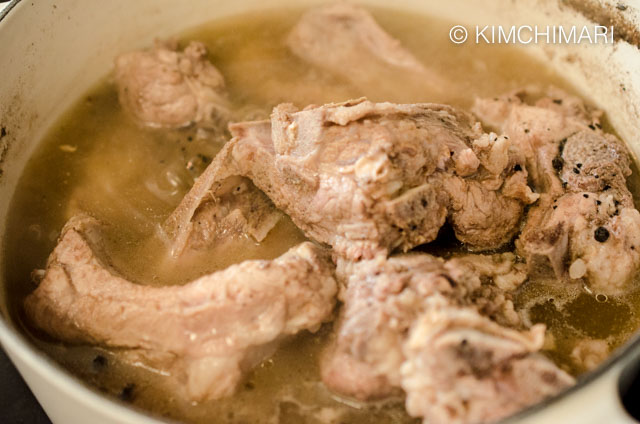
x=96, y=160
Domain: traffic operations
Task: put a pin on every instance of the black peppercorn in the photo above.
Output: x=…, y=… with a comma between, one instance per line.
x=127, y=393
x=557, y=163
x=601, y=234
x=99, y=363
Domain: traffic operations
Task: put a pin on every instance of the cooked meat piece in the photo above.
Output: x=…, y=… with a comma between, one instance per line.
x=588, y=237
x=214, y=328
x=347, y=41
x=221, y=204
x=567, y=153
x=589, y=353
x=363, y=168
x=163, y=87
x=463, y=368
x=368, y=177
x=382, y=298
x=537, y=123
x=544, y=245
x=592, y=161
x=485, y=208
x=237, y=208
x=503, y=270
x=480, y=215
x=591, y=233
x=379, y=307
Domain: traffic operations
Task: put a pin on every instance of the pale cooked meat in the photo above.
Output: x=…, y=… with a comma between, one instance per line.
x=591, y=233
x=379, y=307
x=481, y=215
x=347, y=41
x=505, y=270
x=537, y=122
x=584, y=237
x=463, y=368
x=210, y=330
x=237, y=208
x=588, y=353
x=165, y=87
x=486, y=207
x=383, y=297
x=362, y=167
x=368, y=177
x=221, y=205
x=593, y=161
x=580, y=173
x=544, y=243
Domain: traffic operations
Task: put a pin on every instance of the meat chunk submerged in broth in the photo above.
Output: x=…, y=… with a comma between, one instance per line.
x=163, y=87
x=382, y=299
x=371, y=177
x=347, y=41
x=464, y=368
x=584, y=237
x=220, y=205
x=205, y=334
x=585, y=226
x=537, y=122
x=382, y=343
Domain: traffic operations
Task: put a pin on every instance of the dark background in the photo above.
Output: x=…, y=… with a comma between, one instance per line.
x=17, y=404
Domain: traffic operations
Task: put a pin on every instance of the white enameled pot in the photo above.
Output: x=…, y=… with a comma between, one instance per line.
x=52, y=51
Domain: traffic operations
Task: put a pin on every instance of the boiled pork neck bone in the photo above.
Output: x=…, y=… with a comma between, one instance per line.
x=164, y=87
x=537, y=122
x=585, y=227
x=347, y=41
x=221, y=205
x=206, y=334
x=369, y=177
x=383, y=297
x=463, y=368
x=393, y=306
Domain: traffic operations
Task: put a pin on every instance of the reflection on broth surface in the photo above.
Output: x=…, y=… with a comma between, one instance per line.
x=97, y=160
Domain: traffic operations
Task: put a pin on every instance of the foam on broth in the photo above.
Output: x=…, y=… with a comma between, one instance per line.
x=97, y=160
